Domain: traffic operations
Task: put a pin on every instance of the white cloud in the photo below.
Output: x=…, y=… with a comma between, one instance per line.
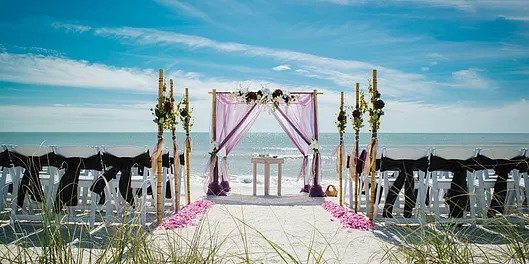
x=71, y=27
x=509, y=9
x=282, y=67
x=455, y=118
x=50, y=70
x=425, y=68
x=342, y=72
x=471, y=79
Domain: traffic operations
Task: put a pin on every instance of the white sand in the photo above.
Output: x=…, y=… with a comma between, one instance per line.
x=294, y=221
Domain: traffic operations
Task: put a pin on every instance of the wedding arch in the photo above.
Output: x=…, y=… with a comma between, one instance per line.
x=233, y=113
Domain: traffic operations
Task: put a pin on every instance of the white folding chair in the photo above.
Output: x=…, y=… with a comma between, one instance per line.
x=364, y=181
x=486, y=178
x=388, y=177
x=87, y=199
x=49, y=179
x=5, y=181
x=441, y=180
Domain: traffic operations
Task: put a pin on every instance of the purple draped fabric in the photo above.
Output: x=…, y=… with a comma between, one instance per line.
x=234, y=119
x=299, y=122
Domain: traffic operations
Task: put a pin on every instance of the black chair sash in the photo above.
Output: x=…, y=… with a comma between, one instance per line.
x=68, y=186
x=405, y=178
x=123, y=165
x=501, y=167
x=457, y=196
x=30, y=181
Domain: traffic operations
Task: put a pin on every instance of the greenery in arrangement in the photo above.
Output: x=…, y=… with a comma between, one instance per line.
x=264, y=96
x=356, y=117
x=164, y=114
x=341, y=121
x=375, y=109
x=184, y=114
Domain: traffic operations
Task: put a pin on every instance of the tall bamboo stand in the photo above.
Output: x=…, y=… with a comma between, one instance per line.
x=373, y=152
x=176, y=175
x=159, y=161
x=340, y=156
x=213, y=127
x=356, y=184
x=188, y=150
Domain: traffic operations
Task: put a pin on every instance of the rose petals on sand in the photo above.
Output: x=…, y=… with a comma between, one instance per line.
x=187, y=215
x=348, y=219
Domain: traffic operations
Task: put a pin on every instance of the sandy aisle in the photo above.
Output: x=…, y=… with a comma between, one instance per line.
x=294, y=221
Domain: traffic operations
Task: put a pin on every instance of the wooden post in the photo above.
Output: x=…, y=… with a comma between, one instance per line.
x=188, y=150
x=175, y=154
x=315, y=94
x=357, y=186
x=373, y=152
x=159, y=161
x=340, y=156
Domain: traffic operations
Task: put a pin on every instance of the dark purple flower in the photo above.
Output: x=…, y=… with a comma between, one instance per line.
x=277, y=93
x=356, y=113
x=377, y=95
x=379, y=104
x=183, y=112
x=341, y=116
x=167, y=106
x=251, y=96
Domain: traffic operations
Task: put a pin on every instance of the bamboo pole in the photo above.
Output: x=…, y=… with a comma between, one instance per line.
x=176, y=175
x=188, y=150
x=159, y=161
x=357, y=106
x=213, y=126
x=340, y=163
x=373, y=152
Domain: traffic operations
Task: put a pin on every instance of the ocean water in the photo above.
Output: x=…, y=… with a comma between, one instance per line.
x=266, y=143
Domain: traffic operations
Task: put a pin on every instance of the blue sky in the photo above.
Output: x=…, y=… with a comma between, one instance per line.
x=444, y=66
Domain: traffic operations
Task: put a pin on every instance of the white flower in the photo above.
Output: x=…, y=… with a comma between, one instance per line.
x=266, y=92
x=314, y=144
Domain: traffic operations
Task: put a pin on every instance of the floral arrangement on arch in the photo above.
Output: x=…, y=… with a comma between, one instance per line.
x=264, y=96
x=164, y=114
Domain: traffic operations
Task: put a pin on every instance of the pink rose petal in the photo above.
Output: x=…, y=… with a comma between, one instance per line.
x=348, y=219
x=188, y=215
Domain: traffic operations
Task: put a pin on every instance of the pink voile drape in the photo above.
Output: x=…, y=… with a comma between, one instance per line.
x=297, y=120
x=234, y=119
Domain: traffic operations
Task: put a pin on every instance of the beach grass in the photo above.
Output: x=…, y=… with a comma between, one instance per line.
x=491, y=241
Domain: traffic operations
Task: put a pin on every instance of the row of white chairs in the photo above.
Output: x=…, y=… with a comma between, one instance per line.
x=115, y=205
x=432, y=185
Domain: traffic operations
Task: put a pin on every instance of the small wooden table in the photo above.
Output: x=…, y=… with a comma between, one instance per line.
x=267, y=161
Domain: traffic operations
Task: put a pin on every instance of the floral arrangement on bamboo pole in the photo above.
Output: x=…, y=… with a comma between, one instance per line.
x=185, y=115
x=356, y=118
x=375, y=111
x=164, y=113
x=264, y=96
x=341, y=121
